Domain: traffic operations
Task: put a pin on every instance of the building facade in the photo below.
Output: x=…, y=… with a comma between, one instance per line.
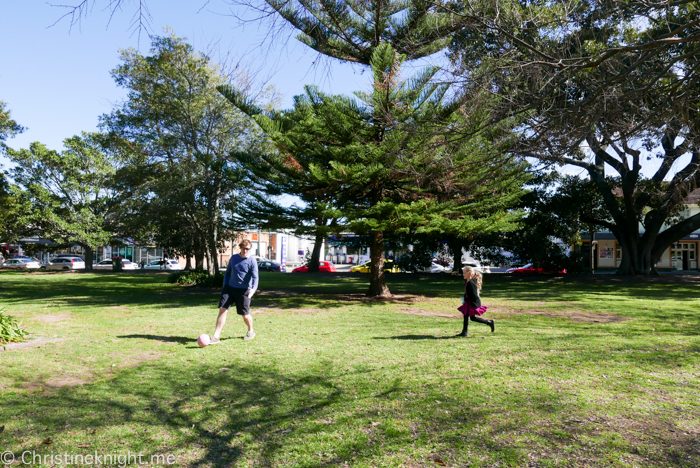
x=682, y=255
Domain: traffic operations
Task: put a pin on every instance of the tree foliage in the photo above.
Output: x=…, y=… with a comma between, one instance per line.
x=351, y=31
x=8, y=126
x=9, y=203
x=181, y=136
x=610, y=87
x=379, y=158
x=66, y=196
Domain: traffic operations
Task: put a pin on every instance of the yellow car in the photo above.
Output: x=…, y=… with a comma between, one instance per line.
x=389, y=267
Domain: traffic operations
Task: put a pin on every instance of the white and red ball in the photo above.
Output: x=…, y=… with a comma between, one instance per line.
x=203, y=340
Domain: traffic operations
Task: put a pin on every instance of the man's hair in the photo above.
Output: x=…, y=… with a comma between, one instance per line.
x=245, y=243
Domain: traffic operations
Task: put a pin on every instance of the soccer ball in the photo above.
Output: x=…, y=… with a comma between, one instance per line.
x=203, y=340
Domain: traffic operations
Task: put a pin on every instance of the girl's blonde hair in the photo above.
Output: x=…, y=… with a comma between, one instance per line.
x=476, y=276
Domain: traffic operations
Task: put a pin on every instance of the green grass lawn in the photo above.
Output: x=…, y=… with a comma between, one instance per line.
x=580, y=372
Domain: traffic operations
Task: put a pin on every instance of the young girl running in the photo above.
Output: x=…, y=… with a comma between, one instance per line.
x=472, y=307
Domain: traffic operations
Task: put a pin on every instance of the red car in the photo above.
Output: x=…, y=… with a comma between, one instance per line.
x=530, y=268
x=327, y=267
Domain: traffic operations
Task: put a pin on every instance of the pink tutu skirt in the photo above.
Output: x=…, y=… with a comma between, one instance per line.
x=470, y=310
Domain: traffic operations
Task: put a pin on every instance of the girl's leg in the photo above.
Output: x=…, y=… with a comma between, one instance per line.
x=465, y=326
x=490, y=323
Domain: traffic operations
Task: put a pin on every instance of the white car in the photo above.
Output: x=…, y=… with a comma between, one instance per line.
x=433, y=268
x=108, y=265
x=103, y=265
x=170, y=265
x=478, y=267
x=22, y=263
x=64, y=263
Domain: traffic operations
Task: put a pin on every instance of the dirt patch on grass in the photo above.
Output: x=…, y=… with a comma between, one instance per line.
x=75, y=379
x=56, y=382
x=295, y=311
x=575, y=315
x=672, y=445
x=427, y=313
x=53, y=318
x=67, y=382
x=136, y=359
x=33, y=343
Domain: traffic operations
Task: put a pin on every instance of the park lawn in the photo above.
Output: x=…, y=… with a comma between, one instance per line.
x=581, y=372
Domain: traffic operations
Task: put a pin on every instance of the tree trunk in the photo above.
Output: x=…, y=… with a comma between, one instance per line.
x=199, y=258
x=213, y=251
x=188, y=262
x=377, y=277
x=213, y=239
x=456, y=245
x=213, y=261
x=89, y=255
x=636, y=256
x=316, y=254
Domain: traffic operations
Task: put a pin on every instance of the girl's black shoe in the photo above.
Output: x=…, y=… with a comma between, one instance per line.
x=492, y=324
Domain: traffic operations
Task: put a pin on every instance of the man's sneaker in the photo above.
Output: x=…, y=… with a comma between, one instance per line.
x=214, y=340
x=249, y=336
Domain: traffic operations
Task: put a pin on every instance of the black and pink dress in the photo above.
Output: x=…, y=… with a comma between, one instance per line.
x=472, y=302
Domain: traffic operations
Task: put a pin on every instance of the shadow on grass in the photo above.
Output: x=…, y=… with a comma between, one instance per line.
x=167, y=339
x=416, y=337
x=231, y=414
x=209, y=415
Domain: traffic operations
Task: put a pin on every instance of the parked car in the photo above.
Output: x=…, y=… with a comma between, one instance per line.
x=327, y=267
x=434, y=267
x=477, y=266
x=108, y=265
x=268, y=265
x=389, y=267
x=549, y=268
x=64, y=263
x=22, y=263
x=103, y=265
x=170, y=265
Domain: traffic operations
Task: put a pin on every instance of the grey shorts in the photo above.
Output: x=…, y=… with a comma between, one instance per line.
x=239, y=296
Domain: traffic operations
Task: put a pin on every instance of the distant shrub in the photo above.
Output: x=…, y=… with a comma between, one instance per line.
x=197, y=278
x=10, y=329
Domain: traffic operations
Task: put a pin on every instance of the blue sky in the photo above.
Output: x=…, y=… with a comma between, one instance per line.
x=56, y=79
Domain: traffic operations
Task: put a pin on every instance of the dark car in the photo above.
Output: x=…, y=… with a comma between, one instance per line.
x=267, y=265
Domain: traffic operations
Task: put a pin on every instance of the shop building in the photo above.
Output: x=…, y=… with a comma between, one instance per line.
x=682, y=255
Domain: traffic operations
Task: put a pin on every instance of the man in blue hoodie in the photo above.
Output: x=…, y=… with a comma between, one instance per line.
x=240, y=283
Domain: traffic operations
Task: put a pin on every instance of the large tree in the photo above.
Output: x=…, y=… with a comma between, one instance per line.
x=175, y=123
x=378, y=157
x=67, y=195
x=609, y=87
